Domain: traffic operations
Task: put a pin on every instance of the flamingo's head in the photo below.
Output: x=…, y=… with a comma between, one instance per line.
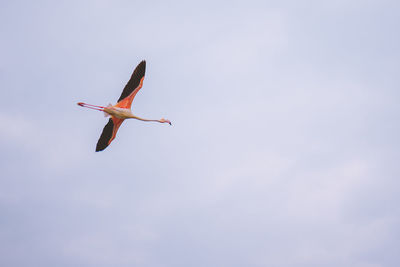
x=165, y=121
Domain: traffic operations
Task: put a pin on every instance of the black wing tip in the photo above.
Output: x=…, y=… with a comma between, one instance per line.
x=137, y=75
x=98, y=149
x=141, y=66
x=105, y=136
x=101, y=145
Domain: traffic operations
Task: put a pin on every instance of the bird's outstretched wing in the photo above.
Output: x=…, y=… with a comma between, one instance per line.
x=109, y=133
x=125, y=101
x=133, y=86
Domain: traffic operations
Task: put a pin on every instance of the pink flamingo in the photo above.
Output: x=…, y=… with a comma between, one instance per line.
x=122, y=110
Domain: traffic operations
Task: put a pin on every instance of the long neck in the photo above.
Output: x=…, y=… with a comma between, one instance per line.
x=142, y=119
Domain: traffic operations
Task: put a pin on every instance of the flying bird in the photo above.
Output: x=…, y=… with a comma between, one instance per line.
x=122, y=110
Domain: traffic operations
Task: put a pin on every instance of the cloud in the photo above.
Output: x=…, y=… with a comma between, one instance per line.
x=283, y=149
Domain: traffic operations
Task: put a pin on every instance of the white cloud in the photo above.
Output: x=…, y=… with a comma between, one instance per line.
x=283, y=150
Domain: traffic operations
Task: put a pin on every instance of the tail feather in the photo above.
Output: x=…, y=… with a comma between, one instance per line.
x=105, y=113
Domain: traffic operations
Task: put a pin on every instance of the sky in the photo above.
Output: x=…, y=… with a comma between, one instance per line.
x=284, y=148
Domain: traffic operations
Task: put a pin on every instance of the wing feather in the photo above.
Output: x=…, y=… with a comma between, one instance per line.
x=134, y=81
x=109, y=133
x=125, y=100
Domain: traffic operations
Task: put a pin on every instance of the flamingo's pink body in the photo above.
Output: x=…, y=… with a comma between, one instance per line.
x=122, y=110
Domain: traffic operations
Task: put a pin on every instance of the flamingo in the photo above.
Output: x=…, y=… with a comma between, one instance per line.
x=122, y=110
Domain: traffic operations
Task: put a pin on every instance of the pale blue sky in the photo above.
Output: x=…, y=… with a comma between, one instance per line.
x=284, y=147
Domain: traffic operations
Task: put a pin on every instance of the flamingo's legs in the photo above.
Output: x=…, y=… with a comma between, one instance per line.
x=99, y=108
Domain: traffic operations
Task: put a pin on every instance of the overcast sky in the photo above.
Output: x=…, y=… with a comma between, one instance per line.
x=284, y=149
